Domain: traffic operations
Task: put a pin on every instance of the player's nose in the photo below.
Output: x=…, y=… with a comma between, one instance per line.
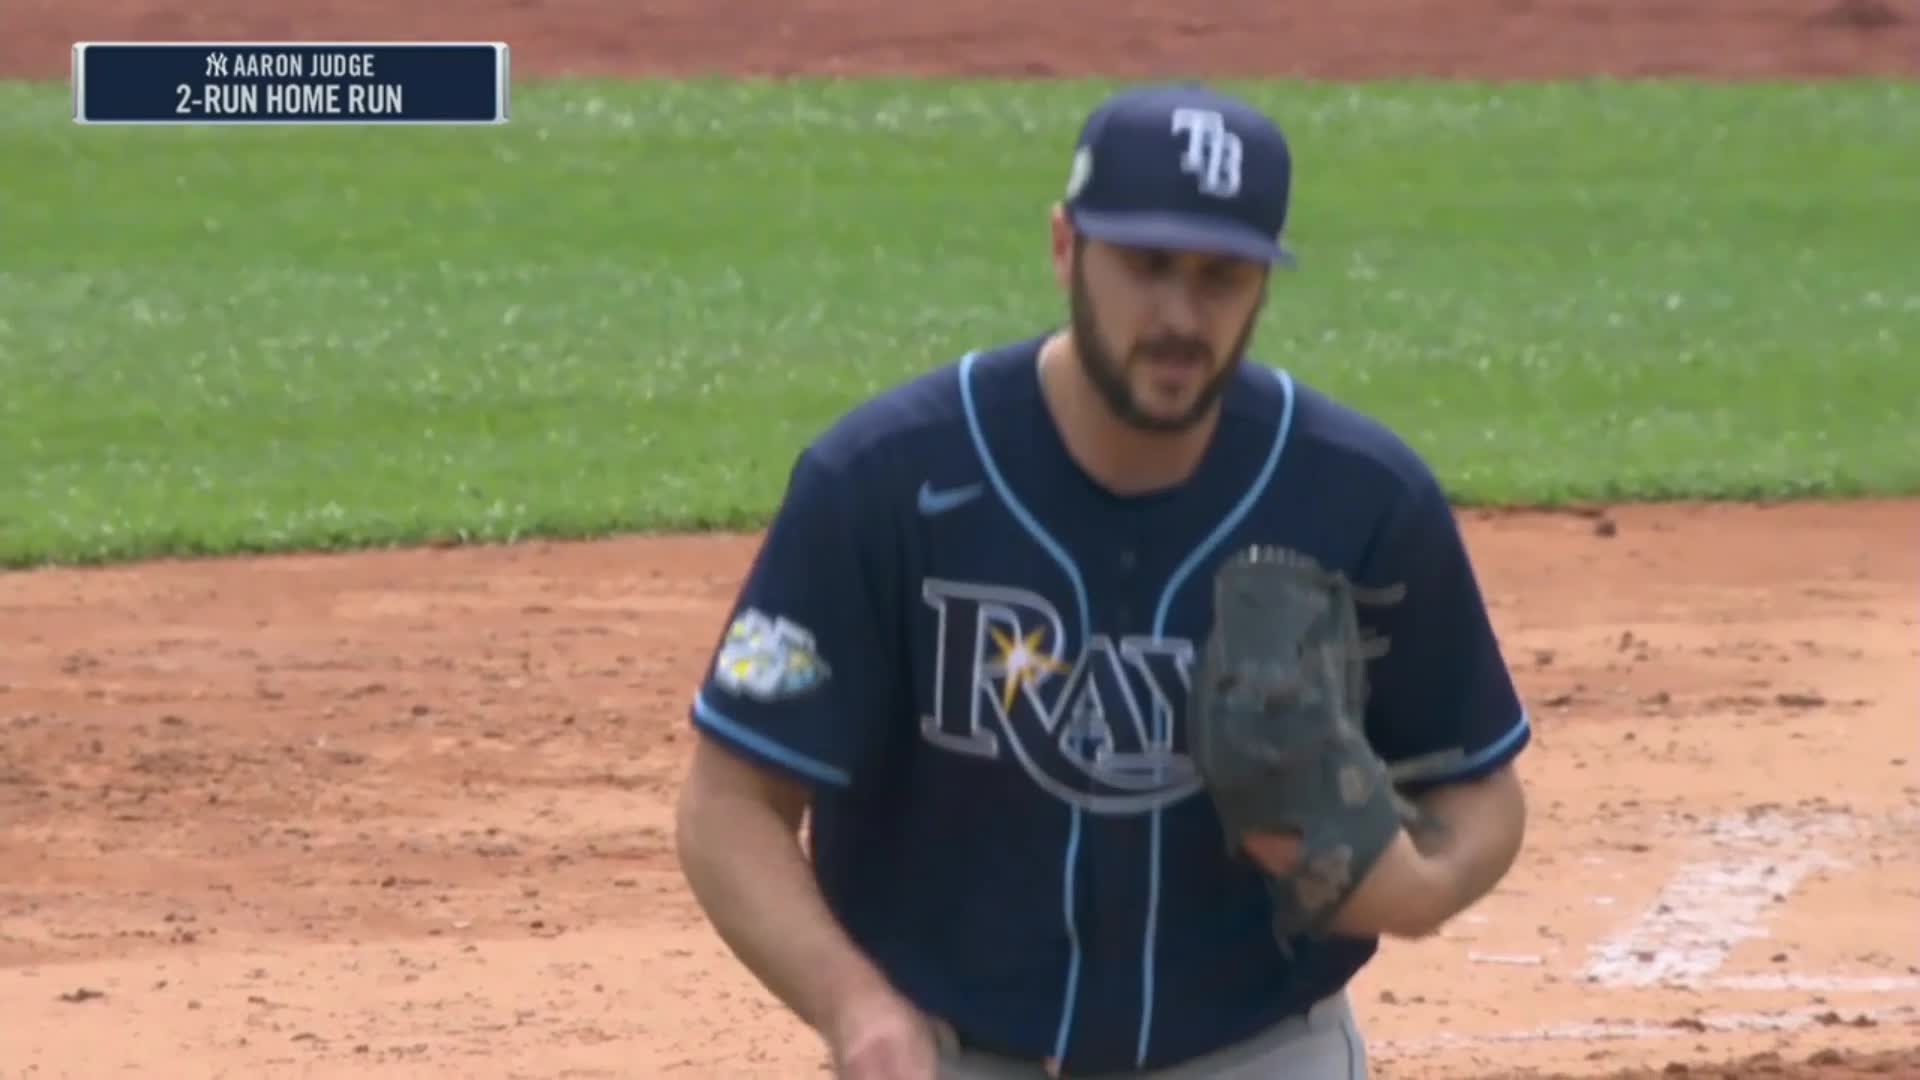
x=1179, y=308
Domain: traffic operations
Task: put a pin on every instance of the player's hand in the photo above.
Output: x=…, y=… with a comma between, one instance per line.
x=886, y=1038
x=1397, y=898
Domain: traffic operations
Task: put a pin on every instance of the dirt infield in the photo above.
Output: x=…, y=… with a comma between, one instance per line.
x=411, y=810
x=407, y=813
x=1350, y=39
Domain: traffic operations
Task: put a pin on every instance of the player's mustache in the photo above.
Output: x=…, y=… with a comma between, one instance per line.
x=1174, y=348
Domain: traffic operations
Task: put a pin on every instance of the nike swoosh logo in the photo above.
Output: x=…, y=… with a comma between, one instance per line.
x=939, y=502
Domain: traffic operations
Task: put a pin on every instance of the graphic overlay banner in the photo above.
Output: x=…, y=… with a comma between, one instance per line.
x=289, y=83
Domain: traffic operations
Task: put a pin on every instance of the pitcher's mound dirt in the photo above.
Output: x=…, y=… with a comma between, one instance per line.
x=408, y=813
x=411, y=810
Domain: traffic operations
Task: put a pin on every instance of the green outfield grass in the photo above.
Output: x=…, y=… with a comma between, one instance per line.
x=633, y=304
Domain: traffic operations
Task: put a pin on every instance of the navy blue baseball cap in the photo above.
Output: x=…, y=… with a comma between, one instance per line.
x=1182, y=167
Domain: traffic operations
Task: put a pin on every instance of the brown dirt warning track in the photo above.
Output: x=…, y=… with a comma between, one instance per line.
x=408, y=813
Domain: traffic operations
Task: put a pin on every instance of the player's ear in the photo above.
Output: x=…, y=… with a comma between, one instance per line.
x=1061, y=237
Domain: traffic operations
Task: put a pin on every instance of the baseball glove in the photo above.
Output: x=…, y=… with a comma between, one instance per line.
x=1276, y=729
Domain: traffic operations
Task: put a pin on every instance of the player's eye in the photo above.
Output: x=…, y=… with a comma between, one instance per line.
x=1224, y=275
x=1154, y=264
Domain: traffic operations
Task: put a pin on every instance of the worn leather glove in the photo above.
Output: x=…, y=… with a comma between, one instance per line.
x=1276, y=728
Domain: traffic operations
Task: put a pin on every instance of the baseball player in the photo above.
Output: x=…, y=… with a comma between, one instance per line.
x=966, y=644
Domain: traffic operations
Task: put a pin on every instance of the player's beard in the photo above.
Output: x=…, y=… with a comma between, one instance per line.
x=1108, y=373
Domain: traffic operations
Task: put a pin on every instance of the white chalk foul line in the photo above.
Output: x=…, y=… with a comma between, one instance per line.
x=1713, y=904
x=1827, y=984
x=1639, y=1030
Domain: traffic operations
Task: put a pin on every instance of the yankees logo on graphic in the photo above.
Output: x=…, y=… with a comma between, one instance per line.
x=1101, y=729
x=1212, y=151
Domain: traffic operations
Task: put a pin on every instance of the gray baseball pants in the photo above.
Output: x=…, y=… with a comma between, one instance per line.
x=1322, y=1044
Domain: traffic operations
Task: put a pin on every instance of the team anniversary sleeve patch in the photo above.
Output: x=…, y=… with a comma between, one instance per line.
x=768, y=658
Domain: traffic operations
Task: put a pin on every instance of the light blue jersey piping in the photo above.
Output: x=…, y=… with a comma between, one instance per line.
x=1470, y=765
x=1072, y=570
x=754, y=740
x=1149, y=939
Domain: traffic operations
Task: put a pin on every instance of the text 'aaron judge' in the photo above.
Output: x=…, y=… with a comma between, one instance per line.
x=285, y=65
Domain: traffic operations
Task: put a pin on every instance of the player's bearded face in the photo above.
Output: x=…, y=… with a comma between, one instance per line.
x=1153, y=375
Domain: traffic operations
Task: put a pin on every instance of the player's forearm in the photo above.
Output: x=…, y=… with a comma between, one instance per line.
x=1471, y=835
x=744, y=865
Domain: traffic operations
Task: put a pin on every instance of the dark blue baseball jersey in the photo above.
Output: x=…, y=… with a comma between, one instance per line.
x=979, y=658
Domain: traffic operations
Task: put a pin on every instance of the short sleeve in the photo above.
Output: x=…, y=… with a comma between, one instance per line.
x=803, y=675
x=1442, y=683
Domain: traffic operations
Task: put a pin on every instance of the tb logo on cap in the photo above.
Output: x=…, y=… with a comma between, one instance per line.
x=1213, y=152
